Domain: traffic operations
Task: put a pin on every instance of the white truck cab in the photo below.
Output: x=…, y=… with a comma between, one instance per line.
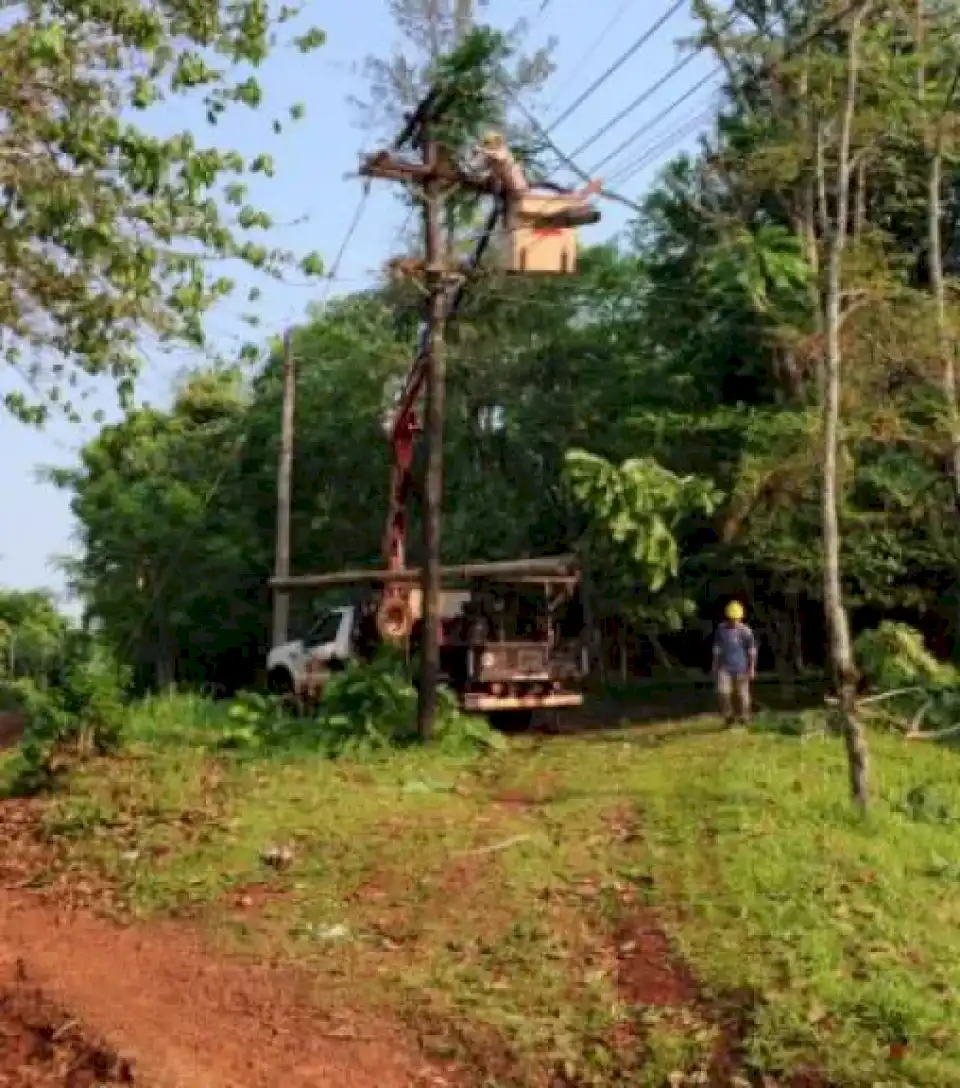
x=327, y=646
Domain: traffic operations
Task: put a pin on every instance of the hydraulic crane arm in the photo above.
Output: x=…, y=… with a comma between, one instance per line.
x=406, y=423
x=394, y=617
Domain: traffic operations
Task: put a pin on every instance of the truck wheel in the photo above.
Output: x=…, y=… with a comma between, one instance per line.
x=511, y=721
x=280, y=682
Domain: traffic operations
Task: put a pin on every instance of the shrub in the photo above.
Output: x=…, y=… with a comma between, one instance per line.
x=254, y=720
x=80, y=714
x=894, y=655
x=894, y=659
x=374, y=707
x=366, y=709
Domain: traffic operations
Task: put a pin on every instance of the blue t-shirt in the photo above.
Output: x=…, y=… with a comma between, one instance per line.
x=732, y=644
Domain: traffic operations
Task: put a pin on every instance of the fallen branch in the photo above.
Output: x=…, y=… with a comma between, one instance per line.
x=832, y=700
x=937, y=734
x=67, y=1025
x=884, y=695
x=514, y=840
x=917, y=719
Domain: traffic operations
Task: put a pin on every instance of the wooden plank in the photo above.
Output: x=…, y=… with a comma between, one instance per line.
x=390, y=168
x=553, y=569
x=578, y=217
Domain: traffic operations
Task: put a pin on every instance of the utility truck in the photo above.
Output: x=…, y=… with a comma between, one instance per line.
x=510, y=644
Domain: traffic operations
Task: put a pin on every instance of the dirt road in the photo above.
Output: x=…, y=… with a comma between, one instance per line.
x=85, y=1002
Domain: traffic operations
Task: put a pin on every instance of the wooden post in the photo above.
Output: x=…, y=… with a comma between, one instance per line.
x=433, y=433
x=281, y=599
x=435, y=173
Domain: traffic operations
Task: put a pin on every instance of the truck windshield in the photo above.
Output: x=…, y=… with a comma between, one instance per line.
x=325, y=629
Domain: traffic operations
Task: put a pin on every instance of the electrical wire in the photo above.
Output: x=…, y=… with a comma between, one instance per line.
x=648, y=125
x=352, y=228
x=762, y=73
x=649, y=91
x=598, y=41
x=652, y=153
x=631, y=51
x=570, y=163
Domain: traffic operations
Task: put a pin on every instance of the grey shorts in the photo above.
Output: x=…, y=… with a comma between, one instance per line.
x=728, y=682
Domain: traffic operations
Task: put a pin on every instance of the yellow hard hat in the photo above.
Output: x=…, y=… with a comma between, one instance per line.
x=734, y=611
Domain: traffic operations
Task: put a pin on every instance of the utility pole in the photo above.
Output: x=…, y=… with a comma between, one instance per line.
x=281, y=599
x=548, y=215
x=435, y=261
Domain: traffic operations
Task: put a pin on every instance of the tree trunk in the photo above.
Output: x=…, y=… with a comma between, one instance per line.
x=165, y=663
x=660, y=653
x=797, y=620
x=808, y=230
x=935, y=259
x=838, y=622
x=945, y=348
x=860, y=210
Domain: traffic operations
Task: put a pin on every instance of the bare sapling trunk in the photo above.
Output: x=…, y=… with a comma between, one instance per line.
x=808, y=219
x=838, y=622
x=944, y=345
x=934, y=147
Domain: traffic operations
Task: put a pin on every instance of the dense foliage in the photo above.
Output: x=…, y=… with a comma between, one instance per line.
x=67, y=685
x=113, y=233
x=367, y=710
x=659, y=412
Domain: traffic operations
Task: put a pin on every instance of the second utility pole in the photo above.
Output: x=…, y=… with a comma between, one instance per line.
x=434, y=260
x=281, y=600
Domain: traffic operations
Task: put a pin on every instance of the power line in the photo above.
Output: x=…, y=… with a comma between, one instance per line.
x=655, y=151
x=564, y=159
x=635, y=104
x=598, y=41
x=762, y=73
x=617, y=64
x=648, y=125
x=651, y=90
x=347, y=239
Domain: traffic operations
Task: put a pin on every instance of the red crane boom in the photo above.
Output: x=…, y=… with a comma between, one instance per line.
x=394, y=616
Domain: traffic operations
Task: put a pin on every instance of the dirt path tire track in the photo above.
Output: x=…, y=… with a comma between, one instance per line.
x=186, y=1019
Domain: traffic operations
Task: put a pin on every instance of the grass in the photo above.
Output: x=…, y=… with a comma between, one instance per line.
x=478, y=897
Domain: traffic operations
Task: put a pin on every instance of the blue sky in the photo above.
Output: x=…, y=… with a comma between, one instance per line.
x=310, y=192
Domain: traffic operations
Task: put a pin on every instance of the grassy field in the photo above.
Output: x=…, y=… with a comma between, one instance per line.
x=510, y=906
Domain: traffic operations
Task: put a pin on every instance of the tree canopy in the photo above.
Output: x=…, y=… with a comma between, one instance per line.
x=659, y=412
x=113, y=236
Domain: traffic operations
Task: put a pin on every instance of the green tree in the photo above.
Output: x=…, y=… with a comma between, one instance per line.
x=108, y=230
x=177, y=509
x=429, y=33
x=160, y=550
x=32, y=633
x=634, y=515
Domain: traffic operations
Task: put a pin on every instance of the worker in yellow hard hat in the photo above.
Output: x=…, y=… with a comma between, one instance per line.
x=734, y=664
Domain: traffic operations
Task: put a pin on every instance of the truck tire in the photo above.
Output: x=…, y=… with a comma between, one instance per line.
x=511, y=721
x=280, y=682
